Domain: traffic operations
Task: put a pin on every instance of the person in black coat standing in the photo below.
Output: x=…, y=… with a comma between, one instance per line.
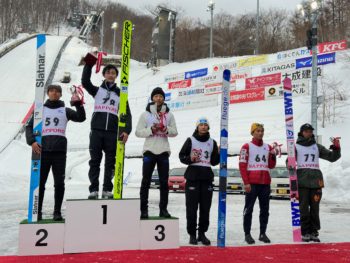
x=199, y=152
x=104, y=126
x=54, y=144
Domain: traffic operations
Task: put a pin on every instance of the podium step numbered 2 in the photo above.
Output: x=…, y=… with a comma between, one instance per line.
x=99, y=225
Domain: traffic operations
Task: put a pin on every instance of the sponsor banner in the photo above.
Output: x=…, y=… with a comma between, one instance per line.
x=301, y=74
x=247, y=95
x=263, y=81
x=194, y=103
x=188, y=92
x=222, y=67
x=278, y=67
x=174, y=77
x=196, y=73
x=299, y=88
x=213, y=90
x=241, y=74
x=293, y=54
x=252, y=61
x=232, y=83
x=208, y=79
x=168, y=96
x=180, y=84
x=322, y=59
x=217, y=89
x=329, y=47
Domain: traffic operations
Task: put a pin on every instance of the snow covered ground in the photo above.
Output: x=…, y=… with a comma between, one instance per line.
x=17, y=95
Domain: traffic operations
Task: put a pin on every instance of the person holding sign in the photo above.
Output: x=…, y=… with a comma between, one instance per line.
x=200, y=152
x=255, y=161
x=54, y=144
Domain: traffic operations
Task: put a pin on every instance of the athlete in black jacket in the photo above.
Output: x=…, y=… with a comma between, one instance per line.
x=54, y=144
x=104, y=127
x=199, y=152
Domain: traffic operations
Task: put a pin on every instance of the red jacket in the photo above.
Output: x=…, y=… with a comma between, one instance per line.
x=255, y=177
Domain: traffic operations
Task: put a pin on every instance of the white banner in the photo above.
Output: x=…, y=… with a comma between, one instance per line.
x=208, y=79
x=189, y=92
x=194, y=102
x=221, y=67
x=300, y=88
x=293, y=54
x=174, y=77
x=278, y=67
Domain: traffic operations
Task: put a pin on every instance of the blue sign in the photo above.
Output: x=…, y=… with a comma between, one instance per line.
x=322, y=59
x=168, y=96
x=196, y=73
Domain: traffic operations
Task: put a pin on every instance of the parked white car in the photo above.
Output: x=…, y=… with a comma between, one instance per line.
x=280, y=182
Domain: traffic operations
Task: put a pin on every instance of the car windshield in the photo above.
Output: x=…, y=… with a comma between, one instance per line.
x=177, y=171
x=279, y=172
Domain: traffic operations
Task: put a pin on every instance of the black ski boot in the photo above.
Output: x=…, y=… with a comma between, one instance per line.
x=193, y=240
x=264, y=238
x=57, y=216
x=202, y=238
x=249, y=239
x=164, y=213
x=314, y=237
x=306, y=238
x=144, y=214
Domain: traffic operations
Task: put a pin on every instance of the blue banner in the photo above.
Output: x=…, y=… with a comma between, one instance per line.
x=196, y=73
x=168, y=96
x=322, y=59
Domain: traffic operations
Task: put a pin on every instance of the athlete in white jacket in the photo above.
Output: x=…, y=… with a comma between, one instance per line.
x=156, y=124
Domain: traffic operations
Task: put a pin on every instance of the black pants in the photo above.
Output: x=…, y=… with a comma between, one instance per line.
x=198, y=193
x=262, y=192
x=102, y=141
x=150, y=160
x=310, y=209
x=56, y=161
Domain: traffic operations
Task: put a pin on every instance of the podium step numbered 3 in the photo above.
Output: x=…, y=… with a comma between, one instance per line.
x=99, y=225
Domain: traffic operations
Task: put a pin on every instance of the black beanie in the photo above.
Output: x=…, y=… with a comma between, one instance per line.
x=306, y=127
x=56, y=87
x=157, y=91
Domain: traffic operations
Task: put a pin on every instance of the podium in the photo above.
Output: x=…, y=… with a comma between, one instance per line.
x=43, y=238
x=159, y=233
x=102, y=225
x=96, y=226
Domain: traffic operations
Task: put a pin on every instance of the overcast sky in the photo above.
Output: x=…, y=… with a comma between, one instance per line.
x=197, y=8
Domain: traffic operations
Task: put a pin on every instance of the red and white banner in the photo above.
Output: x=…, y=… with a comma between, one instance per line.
x=263, y=81
x=247, y=95
x=328, y=47
x=180, y=84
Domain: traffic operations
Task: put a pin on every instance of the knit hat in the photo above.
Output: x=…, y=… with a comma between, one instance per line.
x=306, y=127
x=256, y=126
x=56, y=87
x=202, y=120
x=157, y=91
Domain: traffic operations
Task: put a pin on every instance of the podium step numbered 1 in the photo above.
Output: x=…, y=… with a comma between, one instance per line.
x=96, y=226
